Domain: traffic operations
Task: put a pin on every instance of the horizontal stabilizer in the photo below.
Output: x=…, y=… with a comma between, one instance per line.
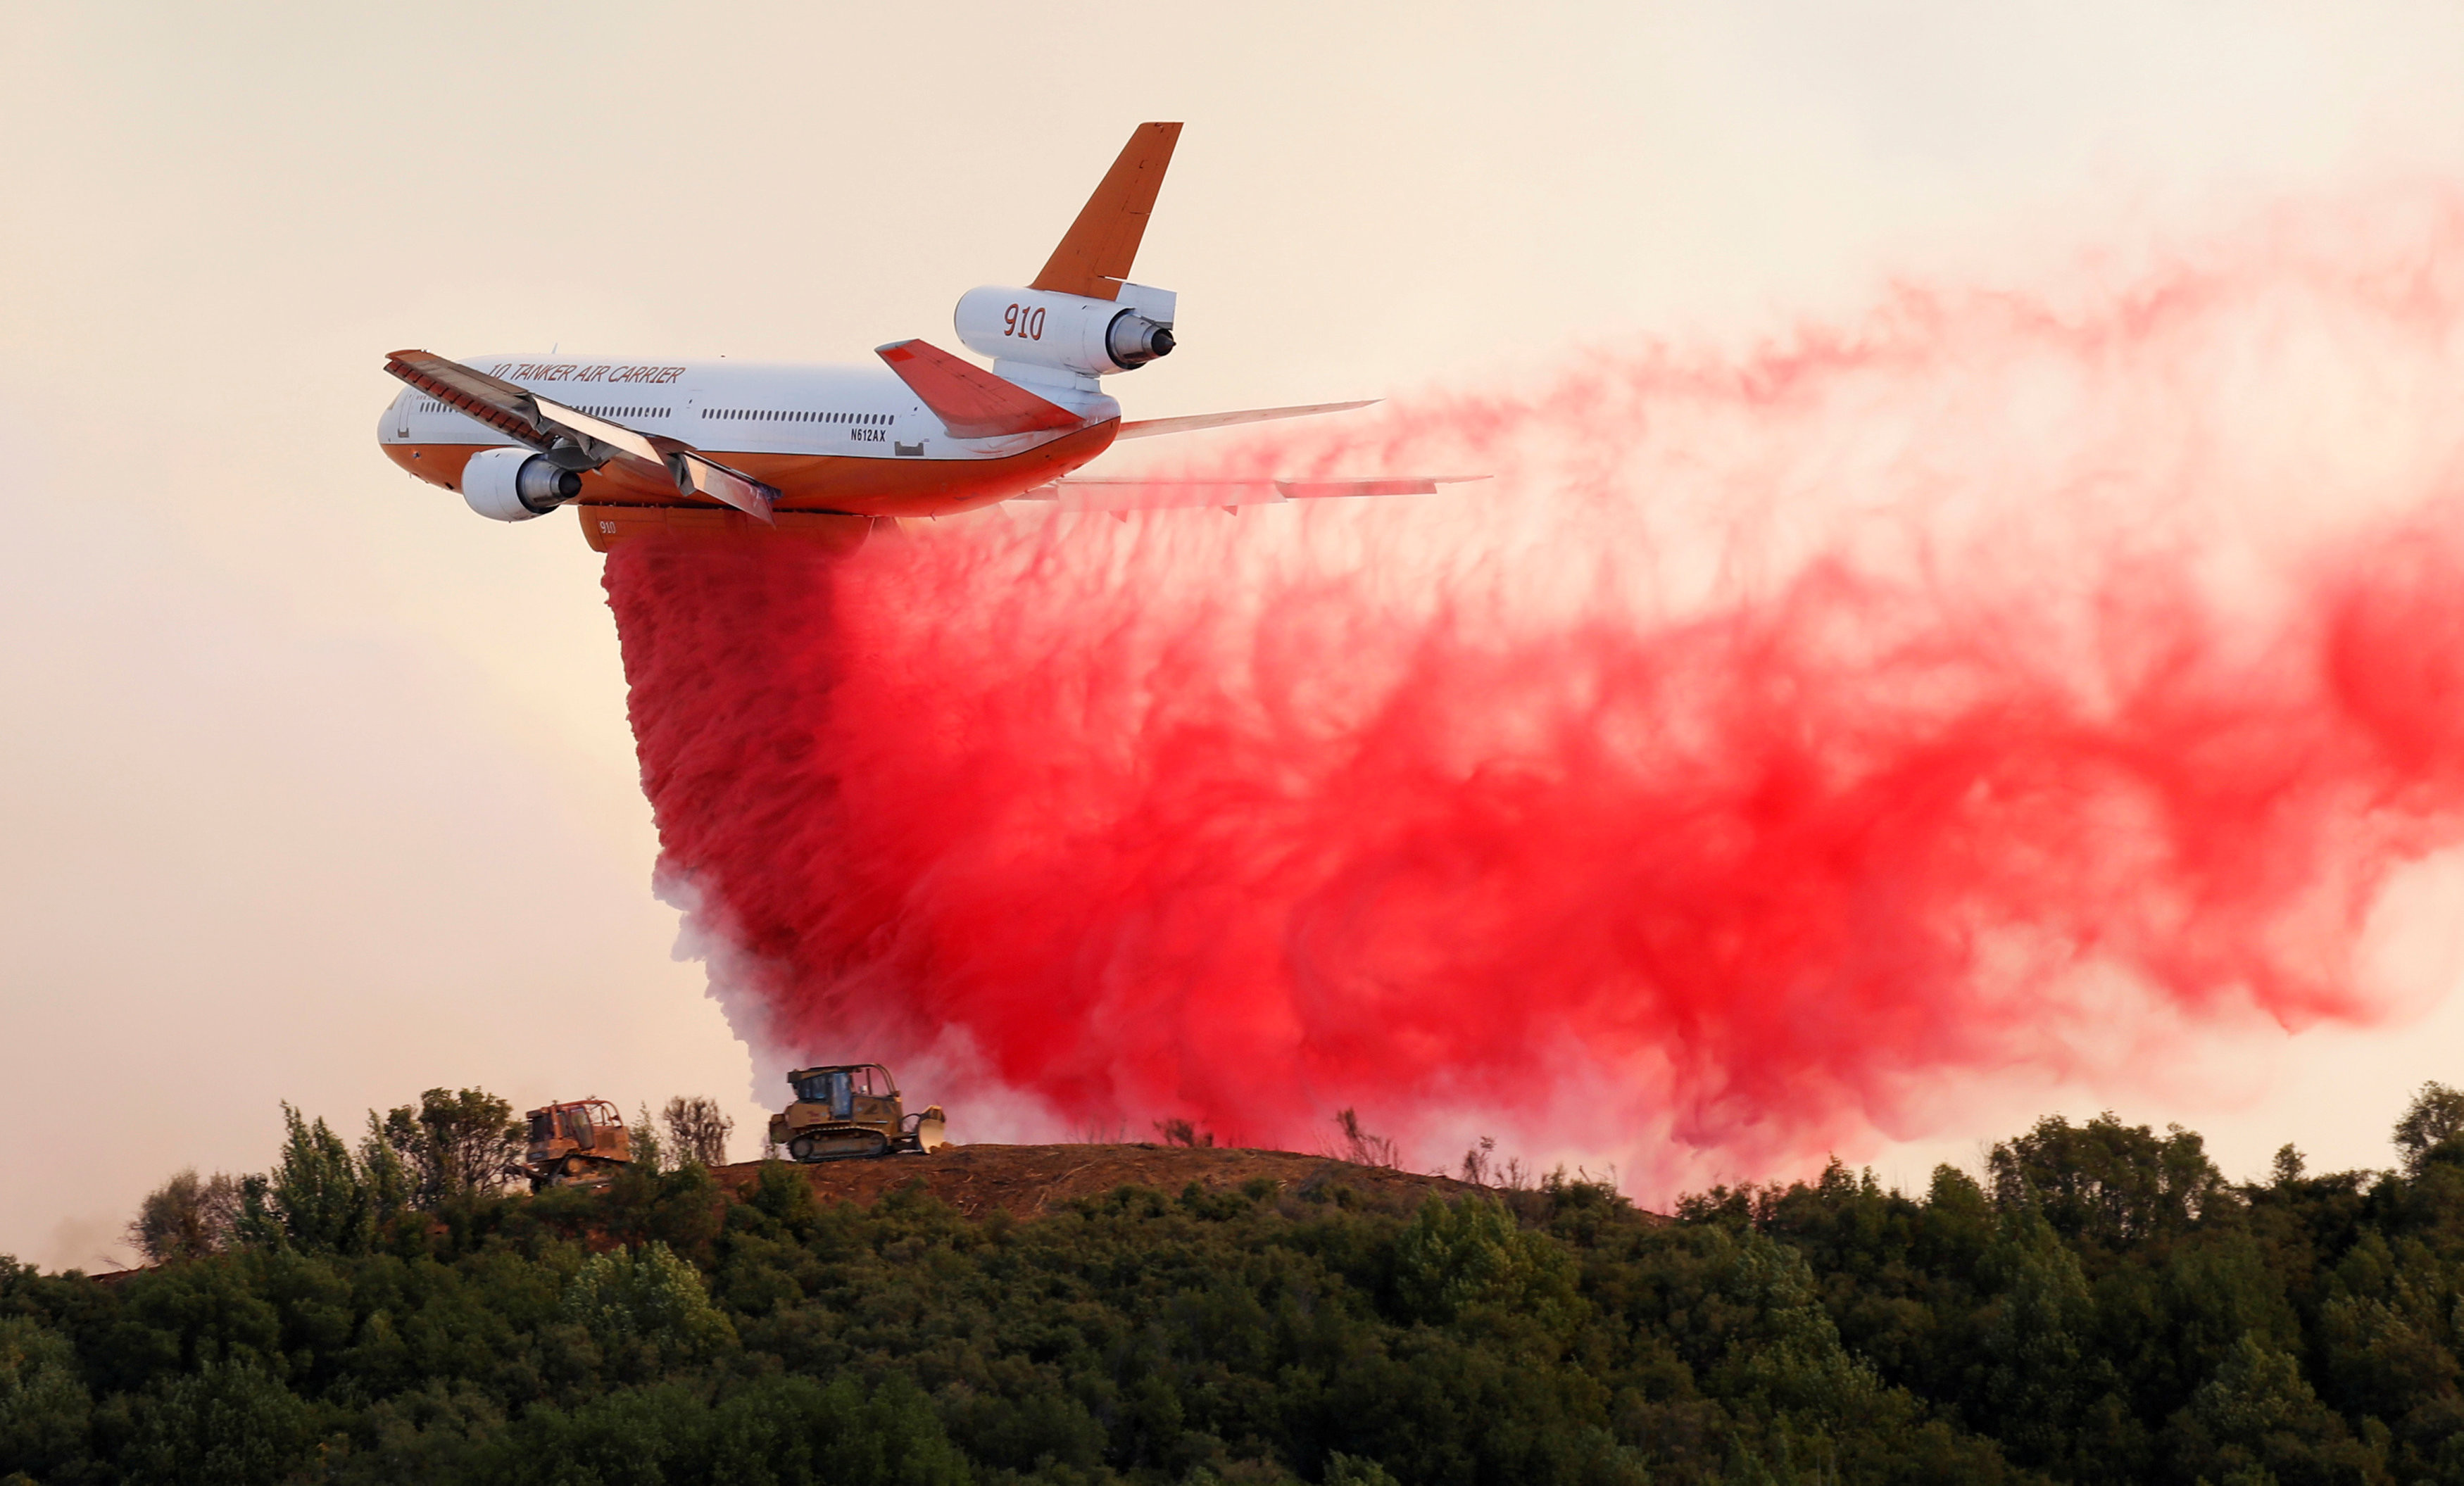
x=1149, y=428
x=971, y=402
x=1126, y=494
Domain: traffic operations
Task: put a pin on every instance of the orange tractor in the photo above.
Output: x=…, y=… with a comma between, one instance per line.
x=581, y=1144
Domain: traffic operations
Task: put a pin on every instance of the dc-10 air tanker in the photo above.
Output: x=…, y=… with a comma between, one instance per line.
x=644, y=443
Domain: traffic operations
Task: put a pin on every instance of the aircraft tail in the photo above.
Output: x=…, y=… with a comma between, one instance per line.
x=1080, y=319
x=1095, y=255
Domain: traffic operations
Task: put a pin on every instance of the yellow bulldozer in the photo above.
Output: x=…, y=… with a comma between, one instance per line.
x=580, y=1144
x=851, y=1112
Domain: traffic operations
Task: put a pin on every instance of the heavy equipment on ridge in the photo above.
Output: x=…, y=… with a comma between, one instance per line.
x=849, y=1112
x=579, y=1144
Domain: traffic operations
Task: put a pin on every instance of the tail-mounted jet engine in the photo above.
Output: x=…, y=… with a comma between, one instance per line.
x=516, y=484
x=1091, y=337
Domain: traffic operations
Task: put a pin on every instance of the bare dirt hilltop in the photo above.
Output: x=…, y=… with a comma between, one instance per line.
x=1029, y=1181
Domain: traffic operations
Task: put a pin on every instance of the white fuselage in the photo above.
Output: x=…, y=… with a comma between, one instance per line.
x=830, y=437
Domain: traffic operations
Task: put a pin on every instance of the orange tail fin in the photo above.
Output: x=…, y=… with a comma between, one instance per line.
x=1096, y=255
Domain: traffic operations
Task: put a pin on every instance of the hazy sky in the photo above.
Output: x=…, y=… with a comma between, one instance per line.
x=319, y=787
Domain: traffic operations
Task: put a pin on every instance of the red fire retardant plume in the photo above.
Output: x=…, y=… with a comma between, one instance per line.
x=2006, y=681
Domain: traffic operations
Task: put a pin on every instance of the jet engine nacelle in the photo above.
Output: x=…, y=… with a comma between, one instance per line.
x=1094, y=337
x=516, y=485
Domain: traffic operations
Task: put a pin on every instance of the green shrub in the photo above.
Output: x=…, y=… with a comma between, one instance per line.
x=646, y=1296
x=2104, y=1309
x=44, y=1408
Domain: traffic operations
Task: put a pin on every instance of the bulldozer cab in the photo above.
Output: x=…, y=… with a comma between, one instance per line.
x=579, y=1123
x=855, y=1091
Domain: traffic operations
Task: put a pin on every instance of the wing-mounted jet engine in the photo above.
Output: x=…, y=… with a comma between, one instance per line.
x=516, y=485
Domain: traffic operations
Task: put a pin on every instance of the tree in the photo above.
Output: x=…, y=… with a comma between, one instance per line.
x=1455, y=1258
x=1481, y=1167
x=2258, y=1419
x=650, y=1152
x=1788, y=1347
x=1360, y=1148
x=1182, y=1132
x=2107, y=1182
x=451, y=1144
x=314, y=1198
x=1342, y=1470
x=44, y=1406
x=380, y=1168
x=646, y=1294
x=2434, y=1117
x=186, y=1218
x=224, y=1425
x=788, y=1430
x=697, y=1130
x=2039, y=1378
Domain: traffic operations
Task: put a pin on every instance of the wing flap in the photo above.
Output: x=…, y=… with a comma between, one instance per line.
x=615, y=436
x=1126, y=494
x=1151, y=428
x=697, y=475
x=1391, y=485
x=971, y=402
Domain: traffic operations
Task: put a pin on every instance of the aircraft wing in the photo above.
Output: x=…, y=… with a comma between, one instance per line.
x=1149, y=427
x=538, y=422
x=1127, y=493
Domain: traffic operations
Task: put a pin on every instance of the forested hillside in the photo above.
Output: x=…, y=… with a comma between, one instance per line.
x=2103, y=1305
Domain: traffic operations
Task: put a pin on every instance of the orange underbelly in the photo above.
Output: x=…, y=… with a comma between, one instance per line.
x=603, y=526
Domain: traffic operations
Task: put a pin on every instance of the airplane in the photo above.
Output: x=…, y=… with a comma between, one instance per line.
x=643, y=444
